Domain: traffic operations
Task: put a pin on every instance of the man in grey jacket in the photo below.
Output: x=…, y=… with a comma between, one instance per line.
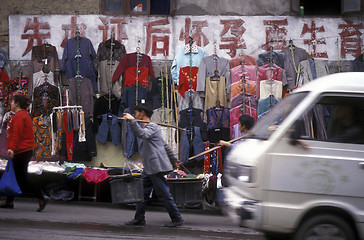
x=157, y=160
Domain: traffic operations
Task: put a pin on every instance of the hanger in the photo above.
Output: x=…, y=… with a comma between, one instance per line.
x=291, y=45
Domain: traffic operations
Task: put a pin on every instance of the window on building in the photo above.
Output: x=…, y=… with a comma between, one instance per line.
x=137, y=7
x=327, y=7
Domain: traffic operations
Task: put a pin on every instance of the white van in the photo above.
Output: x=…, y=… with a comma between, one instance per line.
x=299, y=173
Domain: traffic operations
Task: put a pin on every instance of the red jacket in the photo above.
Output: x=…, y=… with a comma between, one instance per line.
x=20, y=136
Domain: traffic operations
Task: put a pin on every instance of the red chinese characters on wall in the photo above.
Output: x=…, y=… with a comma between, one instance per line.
x=116, y=27
x=157, y=35
x=235, y=40
x=275, y=34
x=350, y=38
x=35, y=27
x=314, y=41
x=72, y=27
x=194, y=30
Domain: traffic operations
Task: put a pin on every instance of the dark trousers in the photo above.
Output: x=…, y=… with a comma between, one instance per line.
x=20, y=163
x=159, y=184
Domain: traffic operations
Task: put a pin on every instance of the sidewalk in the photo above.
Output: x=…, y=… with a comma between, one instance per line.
x=107, y=214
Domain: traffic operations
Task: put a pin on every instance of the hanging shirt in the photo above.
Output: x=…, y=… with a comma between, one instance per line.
x=268, y=72
x=235, y=113
x=39, y=78
x=86, y=95
x=218, y=124
x=130, y=60
x=42, y=135
x=238, y=87
x=250, y=100
x=266, y=104
x=358, y=64
x=46, y=53
x=106, y=70
x=290, y=67
x=311, y=69
x=190, y=97
x=187, y=77
x=182, y=59
x=207, y=68
x=271, y=87
x=265, y=58
x=131, y=76
x=215, y=90
x=87, y=56
x=104, y=52
x=4, y=81
x=45, y=98
x=248, y=60
x=155, y=95
x=250, y=73
x=129, y=98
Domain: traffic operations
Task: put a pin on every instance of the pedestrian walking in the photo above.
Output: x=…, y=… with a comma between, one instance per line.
x=20, y=141
x=158, y=159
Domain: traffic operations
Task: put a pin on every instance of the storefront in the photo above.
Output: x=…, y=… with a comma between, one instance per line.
x=200, y=74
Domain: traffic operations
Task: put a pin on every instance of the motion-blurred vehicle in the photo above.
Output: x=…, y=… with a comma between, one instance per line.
x=299, y=173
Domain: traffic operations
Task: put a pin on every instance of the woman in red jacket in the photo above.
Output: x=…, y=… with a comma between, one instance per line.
x=20, y=140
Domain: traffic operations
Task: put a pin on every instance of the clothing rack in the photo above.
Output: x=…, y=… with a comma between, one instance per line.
x=216, y=77
x=243, y=81
x=78, y=75
x=270, y=80
x=137, y=74
x=110, y=69
x=190, y=105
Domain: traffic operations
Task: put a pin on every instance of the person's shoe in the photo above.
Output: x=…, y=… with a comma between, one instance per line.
x=172, y=224
x=42, y=204
x=7, y=205
x=136, y=222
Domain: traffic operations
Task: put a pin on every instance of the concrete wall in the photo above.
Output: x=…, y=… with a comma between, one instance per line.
x=233, y=7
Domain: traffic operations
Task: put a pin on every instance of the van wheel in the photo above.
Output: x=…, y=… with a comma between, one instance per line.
x=325, y=227
x=270, y=236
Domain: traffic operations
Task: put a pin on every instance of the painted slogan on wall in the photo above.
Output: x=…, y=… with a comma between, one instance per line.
x=326, y=38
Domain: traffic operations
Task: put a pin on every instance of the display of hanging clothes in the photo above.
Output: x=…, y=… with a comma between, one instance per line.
x=358, y=64
x=84, y=150
x=45, y=97
x=128, y=69
x=248, y=61
x=183, y=57
x=46, y=55
x=85, y=97
x=109, y=129
x=311, y=69
x=218, y=124
x=271, y=56
x=68, y=138
x=290, y=66
x=79, y=49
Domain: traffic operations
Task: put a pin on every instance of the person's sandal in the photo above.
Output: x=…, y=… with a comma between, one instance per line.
x=43, y=204
x=7, y=205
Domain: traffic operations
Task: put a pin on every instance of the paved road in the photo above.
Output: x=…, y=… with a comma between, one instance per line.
x=86, y=220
